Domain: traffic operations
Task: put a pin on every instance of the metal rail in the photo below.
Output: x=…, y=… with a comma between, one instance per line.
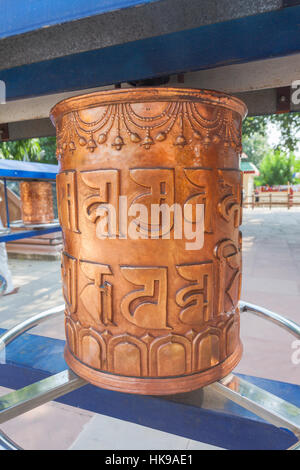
x=26, y=325
x=27, y=398
x=264, y=404
x=269, y=407
x=295, y=446
x=18, y=402
x=279, y=320
x=6, y=443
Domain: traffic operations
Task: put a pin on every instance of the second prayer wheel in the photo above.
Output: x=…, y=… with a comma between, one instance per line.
x=36, y=202
x=151, y=297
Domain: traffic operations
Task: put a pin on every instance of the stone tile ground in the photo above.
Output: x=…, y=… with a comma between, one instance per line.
x=271, y=278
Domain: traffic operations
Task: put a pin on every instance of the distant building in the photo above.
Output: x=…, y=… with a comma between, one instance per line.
x=249, y=172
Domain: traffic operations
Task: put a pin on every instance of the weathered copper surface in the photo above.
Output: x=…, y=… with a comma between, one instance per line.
x=36, y=202
x=148, y=315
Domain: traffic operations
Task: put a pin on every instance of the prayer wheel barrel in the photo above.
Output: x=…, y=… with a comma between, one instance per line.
x=36, y=202
x=149, y=197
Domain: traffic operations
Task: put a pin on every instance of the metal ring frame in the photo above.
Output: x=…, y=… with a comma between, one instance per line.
x=260, y=402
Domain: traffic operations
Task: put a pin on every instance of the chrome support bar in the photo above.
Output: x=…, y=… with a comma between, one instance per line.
x=6, y=443
x=26, y=325
x=279, y=320
x=295, y=446
x=260, y=402
x=18, y=402
x=269, y=407
x=25, y=399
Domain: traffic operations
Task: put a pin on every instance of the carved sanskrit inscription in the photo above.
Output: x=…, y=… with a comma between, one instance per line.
x=203, y=304
x=161, y=203
x=149, y=198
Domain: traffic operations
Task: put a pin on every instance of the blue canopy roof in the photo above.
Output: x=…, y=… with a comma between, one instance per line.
x=20, y=17
x=23, y=170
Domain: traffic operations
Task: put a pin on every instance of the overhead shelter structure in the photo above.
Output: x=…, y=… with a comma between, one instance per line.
x=49, y=51
x=53, y=50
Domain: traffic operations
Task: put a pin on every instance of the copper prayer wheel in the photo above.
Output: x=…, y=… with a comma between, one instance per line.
x=36, y=202
x=150, y=310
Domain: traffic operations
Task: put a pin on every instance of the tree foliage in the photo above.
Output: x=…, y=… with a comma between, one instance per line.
x=34, y=150
x=276, y=168
x=255, y=125
x=278, y=164
x=26, y=150
x=288, y=124
x=256, y=147
x=297, y=166
x=48, y=145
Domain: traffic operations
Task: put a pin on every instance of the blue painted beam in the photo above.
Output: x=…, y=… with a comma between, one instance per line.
x=28, y=234
x=19, y=16
x=15, y=169
x=31, y=357
x=20, y=174
x=213, y=427
x=35, y=352
x=259, y=37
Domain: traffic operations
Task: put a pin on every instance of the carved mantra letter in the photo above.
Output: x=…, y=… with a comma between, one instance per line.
x=159, y=189
x=67, y=200
x=97, y=295
x=202, y=179
x=108, y=186
x=69, y=278
x=196, y=298
x=230, y=206
x=146, y=307
x=229, y=267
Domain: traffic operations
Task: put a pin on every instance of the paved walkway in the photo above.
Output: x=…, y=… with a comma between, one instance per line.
x=271, y=278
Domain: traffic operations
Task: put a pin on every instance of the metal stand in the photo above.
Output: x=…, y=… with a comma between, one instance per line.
x=271, y=408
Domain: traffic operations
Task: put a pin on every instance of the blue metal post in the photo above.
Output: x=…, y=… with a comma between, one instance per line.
x=6, y=203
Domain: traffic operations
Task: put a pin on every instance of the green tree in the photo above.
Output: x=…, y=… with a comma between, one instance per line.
x=276, y=168
x=35, y=150
x=255, y=125
x=297, y=165
x=297, y=169
x=288, y=124
x=26, y=150
x=48, y=145
x=255, y=146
